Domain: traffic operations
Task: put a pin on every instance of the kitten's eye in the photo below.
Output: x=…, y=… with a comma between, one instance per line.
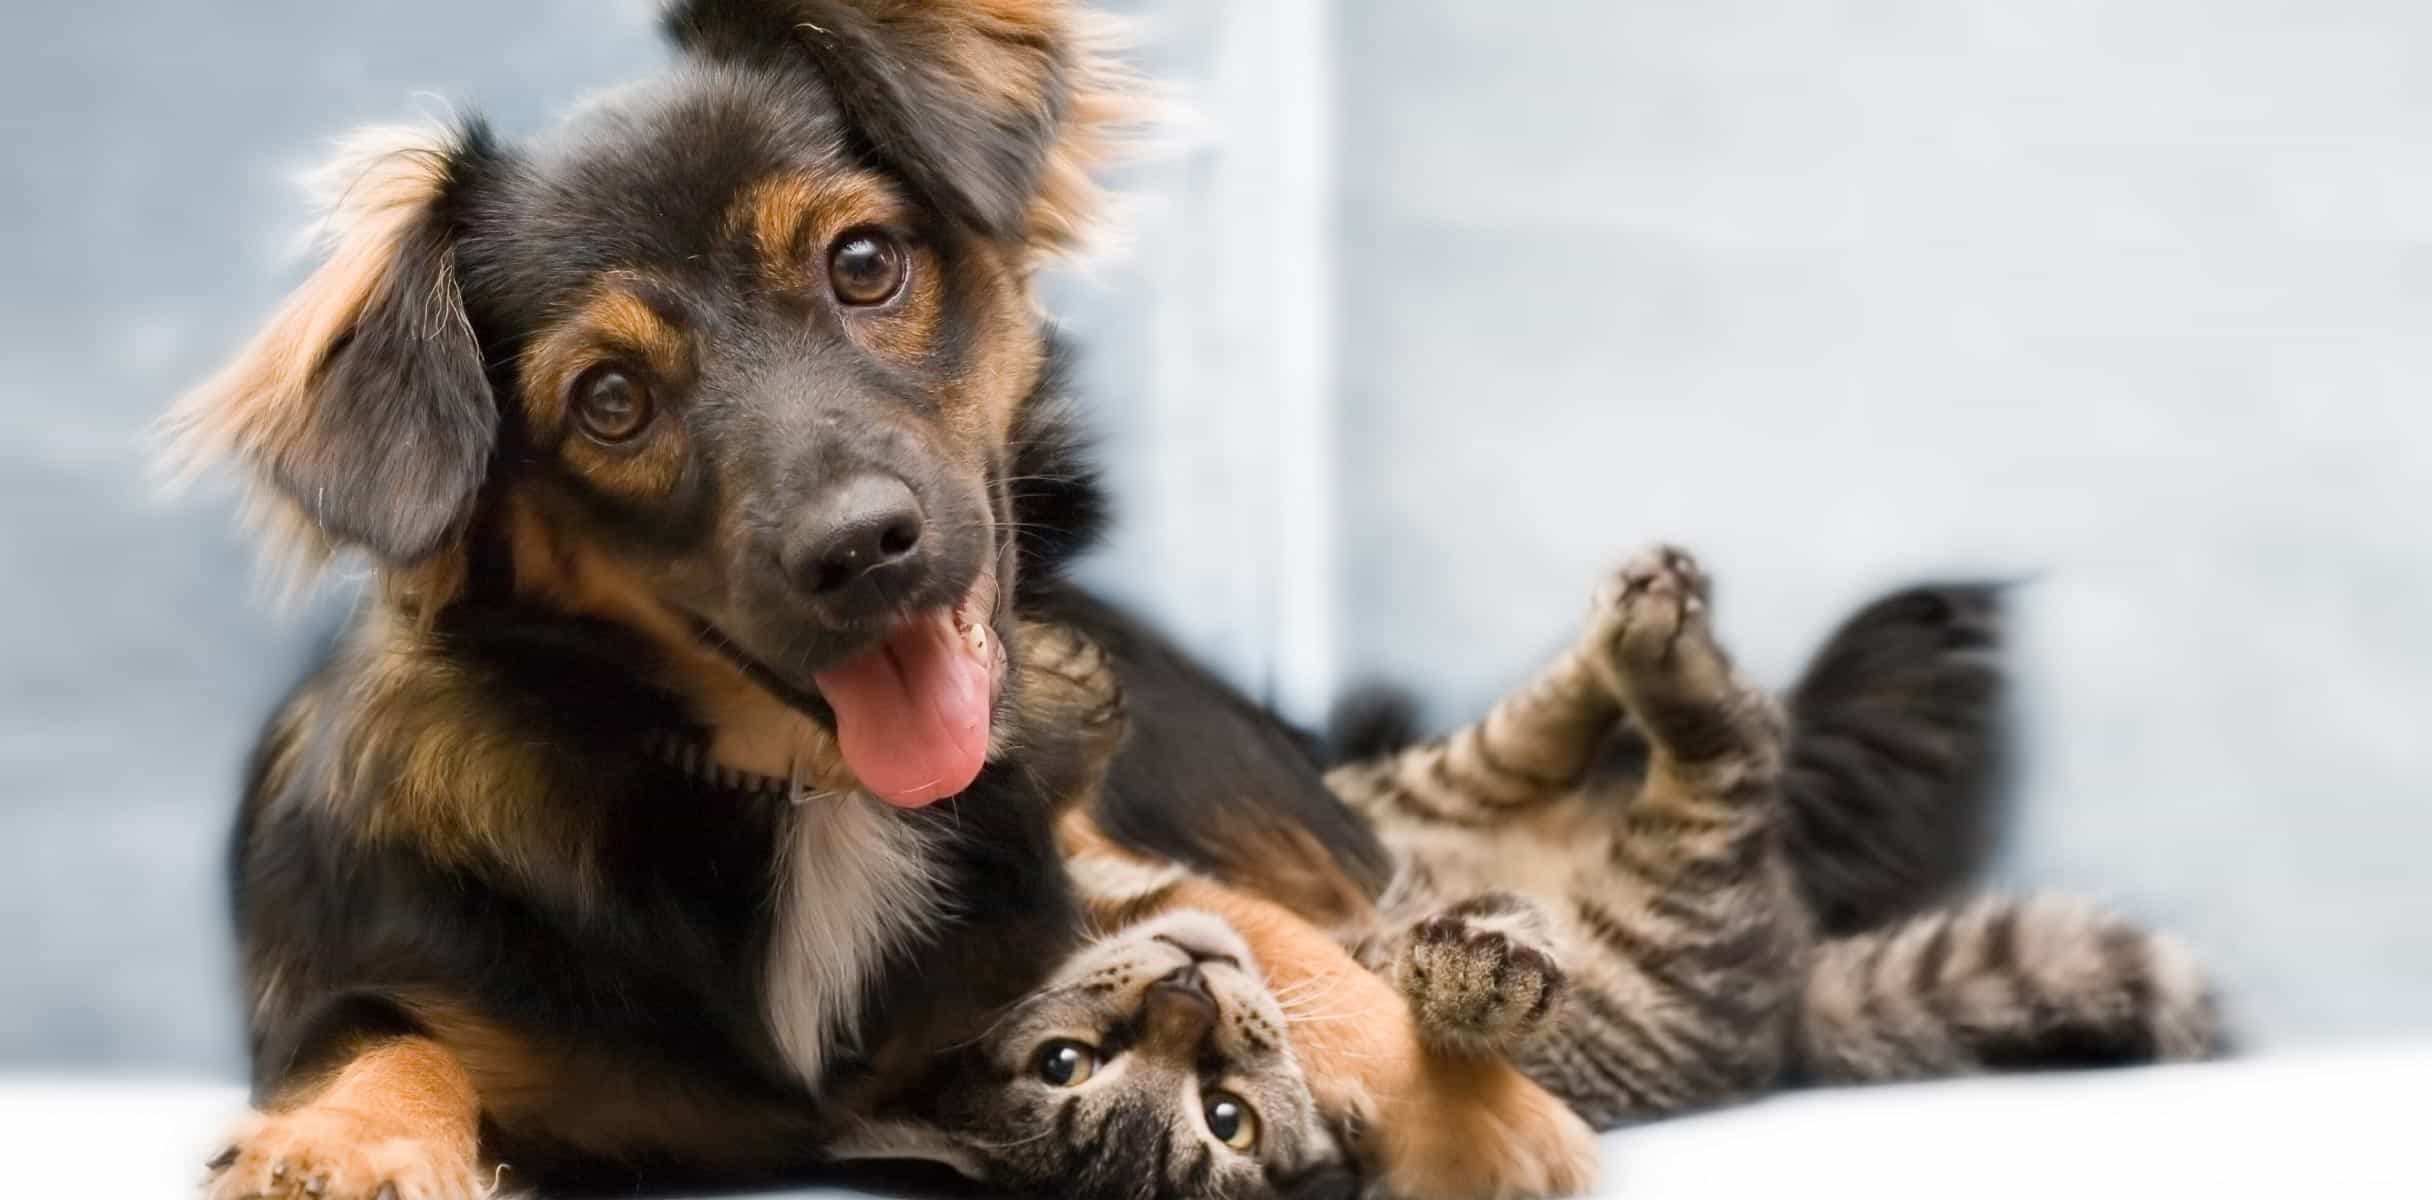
x=866, y=267
x=1231, y=1120
x=1067, y=1064
x=612, y=403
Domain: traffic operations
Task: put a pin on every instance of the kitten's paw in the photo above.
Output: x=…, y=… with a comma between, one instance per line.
x=1069, y=672
x=1069, y=689
x=1480, y=976
x=1656, y=644
x=333, y=1154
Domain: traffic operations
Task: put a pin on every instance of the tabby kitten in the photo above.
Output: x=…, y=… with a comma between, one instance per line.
x=1154, y=1063
x=1592, y=881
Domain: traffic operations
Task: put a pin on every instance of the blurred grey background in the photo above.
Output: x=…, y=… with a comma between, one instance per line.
x=1436, y=310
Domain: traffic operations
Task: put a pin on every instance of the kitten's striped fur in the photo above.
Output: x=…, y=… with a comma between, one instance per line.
x=1592, y=880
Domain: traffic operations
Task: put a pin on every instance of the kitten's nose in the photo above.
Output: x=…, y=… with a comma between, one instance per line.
x=1177, y=1013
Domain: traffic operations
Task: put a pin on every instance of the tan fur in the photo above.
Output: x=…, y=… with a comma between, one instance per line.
x=792, y=218
x=610, y=325
x=749, y=730
x=1106, y=112
x=256, y=408
x=1007, y=355
x=401, y=1115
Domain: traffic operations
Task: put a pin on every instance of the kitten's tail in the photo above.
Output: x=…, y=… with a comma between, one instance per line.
x=1897, y=757
x=2001, y=985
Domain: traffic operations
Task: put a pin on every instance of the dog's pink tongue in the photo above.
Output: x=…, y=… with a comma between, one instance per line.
x=912, y=712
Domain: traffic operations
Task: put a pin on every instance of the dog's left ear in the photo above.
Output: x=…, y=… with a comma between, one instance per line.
x=362, y=409
x=997, y=110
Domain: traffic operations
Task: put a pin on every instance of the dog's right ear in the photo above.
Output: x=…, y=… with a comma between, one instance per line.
x=362, y=411
x=998, y=111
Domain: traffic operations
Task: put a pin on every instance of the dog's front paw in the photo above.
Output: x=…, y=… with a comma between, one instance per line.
x=1490, y=1134
x=336, y=1154
x=1480, y=976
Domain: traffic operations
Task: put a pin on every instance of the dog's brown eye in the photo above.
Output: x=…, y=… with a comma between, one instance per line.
x=1067, y=1064
x=866, y=267
x=612, y=403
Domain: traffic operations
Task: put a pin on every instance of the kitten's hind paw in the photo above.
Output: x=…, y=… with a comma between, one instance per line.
x=1480, y=976
x=1653, y=638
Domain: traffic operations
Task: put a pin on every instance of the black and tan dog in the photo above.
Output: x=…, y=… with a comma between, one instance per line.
x=687, y=777
x=706, y=450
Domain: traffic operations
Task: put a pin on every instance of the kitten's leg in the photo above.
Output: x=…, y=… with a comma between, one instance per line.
x=1683, y=946
x=1536, y=744
x=2002, y=985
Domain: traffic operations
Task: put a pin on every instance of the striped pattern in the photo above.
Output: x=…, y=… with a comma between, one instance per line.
x=1998, y=984
x=1686, y=949
x=1678, y=937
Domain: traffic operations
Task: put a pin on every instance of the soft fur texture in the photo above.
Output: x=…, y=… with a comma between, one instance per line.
x=560, y=847
x=1629, y=924
x=525, y=844
x=1591, y=884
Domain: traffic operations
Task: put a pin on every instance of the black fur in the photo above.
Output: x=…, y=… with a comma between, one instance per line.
x=1372, y=720
x=401, y=425
x=1204, y=771
x=1899, y=755
x=1059, y=507
x=462, y=828
x=911, y=103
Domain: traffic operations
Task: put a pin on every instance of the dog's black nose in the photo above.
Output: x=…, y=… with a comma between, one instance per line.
x=868, y=522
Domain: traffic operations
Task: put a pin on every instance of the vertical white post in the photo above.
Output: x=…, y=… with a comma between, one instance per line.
x=1300, y=242
x=1229, y=482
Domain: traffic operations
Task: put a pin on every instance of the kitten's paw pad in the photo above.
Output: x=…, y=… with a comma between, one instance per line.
x=1479, y=978
x=1659, y=654
x=1652, y=606
x=1070, y=671
x=322, y=1154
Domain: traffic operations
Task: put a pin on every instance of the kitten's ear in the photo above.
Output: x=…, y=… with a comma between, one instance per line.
x=362, y=410
x=906, y=1141
x=997, y=110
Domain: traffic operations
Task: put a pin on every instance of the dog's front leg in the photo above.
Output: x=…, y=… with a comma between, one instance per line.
x=399, y=1121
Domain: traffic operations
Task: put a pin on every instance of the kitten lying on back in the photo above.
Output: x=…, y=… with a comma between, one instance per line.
x=1593, y=881
x=1591, y=886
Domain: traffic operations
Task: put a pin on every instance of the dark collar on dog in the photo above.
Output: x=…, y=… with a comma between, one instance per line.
x=691, y=756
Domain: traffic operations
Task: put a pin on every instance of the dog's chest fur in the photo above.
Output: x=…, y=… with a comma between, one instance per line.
x=857, y=884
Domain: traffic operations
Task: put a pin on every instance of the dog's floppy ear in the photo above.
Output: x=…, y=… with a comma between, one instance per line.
x=997, y=110
x=362, y=410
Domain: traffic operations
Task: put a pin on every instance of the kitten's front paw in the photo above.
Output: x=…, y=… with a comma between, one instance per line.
x=1655, y=639
x=1480, y=976
x=332, y=1154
